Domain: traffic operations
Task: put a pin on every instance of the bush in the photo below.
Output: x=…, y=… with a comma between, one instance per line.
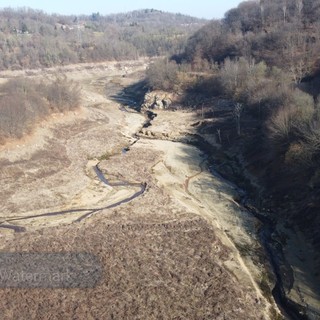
x=163, y=75
x=294, y=118
x=298, y=155
x=62, y=94
x=23, y=102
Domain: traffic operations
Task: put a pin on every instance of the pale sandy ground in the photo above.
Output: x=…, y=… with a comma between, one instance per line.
x=215, y=201
x=181, y=174
x=52, y=171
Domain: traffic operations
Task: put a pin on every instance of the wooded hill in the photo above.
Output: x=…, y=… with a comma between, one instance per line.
x=261, y=60
x=283, y=33
x=32, y=39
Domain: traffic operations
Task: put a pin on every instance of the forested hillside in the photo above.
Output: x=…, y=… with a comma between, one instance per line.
x=283, y=33
x=262, y=62
x=33, y=39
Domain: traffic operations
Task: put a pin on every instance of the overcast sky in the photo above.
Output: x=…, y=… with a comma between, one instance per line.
x=198, y=8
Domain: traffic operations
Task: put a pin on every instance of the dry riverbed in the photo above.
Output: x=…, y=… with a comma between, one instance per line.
x=183, y=249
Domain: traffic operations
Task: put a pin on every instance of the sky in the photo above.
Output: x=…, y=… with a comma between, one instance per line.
x=208, y=9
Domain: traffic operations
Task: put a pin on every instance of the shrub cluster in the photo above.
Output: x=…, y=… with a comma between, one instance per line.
x=23, y=102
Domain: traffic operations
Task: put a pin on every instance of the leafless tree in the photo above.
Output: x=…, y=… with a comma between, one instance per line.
x=238, y=108
x=299, y=7
x=219, y=134
x=262, y=6
x=284, y=10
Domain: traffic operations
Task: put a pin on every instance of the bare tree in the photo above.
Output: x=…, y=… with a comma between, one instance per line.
x=262, y=5
x=238, y=108
x=284, y=10
x=281, y=124
x=219, y=134
x=230, y=75
x=298, y=69
x=299, y=7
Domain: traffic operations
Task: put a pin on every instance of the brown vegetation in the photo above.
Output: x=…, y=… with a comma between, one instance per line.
x=33, y=39
x=158, y=270
x=23, y=102
x=162, y=74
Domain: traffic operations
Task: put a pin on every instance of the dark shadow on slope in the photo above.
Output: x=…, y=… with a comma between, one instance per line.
x=132, y=96
x=202, y=91
x=311, y=85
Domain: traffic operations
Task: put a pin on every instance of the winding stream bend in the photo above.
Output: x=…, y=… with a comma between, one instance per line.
x=88, y=212
x=103, y=179
x=279, y=264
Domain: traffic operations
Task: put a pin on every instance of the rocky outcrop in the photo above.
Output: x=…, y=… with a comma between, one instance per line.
x=158, y=100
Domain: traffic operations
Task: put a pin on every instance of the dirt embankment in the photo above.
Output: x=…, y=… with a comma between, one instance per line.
x=182, y=250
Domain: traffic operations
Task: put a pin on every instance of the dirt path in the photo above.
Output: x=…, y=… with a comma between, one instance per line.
x=219, y=224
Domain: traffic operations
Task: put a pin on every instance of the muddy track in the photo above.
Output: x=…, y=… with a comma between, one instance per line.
x=13, y=227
